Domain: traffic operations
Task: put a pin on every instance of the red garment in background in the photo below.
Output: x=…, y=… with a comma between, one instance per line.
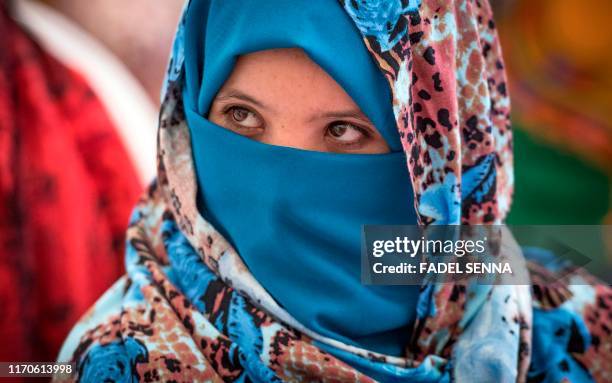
x=67, y=187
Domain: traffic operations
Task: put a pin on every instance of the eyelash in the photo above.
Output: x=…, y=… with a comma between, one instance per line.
x=348, y=145
x=356, y=144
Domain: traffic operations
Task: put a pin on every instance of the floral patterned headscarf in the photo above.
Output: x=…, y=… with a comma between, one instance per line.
x=189, y=310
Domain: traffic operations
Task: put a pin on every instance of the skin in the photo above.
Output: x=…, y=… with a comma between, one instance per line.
x=138, y=32
x=281, y=97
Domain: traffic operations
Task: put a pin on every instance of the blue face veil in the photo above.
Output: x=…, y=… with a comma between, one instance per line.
x=295, y=216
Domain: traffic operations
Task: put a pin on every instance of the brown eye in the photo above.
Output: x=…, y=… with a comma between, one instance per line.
x=345, y=132
x=244, y=118
x=239, y=114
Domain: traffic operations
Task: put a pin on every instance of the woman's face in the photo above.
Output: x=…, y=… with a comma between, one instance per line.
x=281, y=97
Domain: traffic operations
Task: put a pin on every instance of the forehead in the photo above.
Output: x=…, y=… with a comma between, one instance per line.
x=287, y=78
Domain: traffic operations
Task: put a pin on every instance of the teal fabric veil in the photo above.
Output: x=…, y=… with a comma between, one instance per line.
x=295, y=216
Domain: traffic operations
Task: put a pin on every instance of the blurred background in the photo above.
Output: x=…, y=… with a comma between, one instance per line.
x=79, y=97
x=559, y=63
x=79, y=92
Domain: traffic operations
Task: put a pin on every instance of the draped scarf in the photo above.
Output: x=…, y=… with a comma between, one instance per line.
x=189, y=310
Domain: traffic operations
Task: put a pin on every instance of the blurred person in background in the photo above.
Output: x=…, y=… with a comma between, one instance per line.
x=77, y=148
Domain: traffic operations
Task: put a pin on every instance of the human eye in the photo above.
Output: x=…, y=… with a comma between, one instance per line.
x=347, y=135
x=243, y=120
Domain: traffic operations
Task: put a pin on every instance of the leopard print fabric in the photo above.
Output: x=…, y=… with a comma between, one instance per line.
x=444, y=64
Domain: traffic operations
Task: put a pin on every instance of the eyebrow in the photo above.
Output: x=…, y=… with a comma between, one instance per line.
x=351, y=113
x=235, y=93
